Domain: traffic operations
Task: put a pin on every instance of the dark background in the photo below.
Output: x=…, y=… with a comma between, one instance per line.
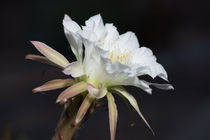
x=178, y=32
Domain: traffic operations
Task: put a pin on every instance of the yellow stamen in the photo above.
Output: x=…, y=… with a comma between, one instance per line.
x=121, y=57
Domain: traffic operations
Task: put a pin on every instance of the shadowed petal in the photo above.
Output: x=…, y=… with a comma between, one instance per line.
x=51, y=54
x=113, y=114
x=72, y=91
x=160, y=86
x=163, y=86
x=84, y=107
x=96, y=92
x=41, y=59
x=133, y=102
x=54, y=84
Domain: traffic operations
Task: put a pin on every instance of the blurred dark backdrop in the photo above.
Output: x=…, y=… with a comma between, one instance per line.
x=178, y=32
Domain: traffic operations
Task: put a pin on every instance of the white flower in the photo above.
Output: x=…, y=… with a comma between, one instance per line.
x=110, y=61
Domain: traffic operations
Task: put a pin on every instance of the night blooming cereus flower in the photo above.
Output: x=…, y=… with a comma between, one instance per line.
x=110, y=61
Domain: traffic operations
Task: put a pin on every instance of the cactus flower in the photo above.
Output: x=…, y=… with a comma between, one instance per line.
x=110, y=61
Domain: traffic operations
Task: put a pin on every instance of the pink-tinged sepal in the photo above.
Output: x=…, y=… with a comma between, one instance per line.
x=163, y=86
x=160, y=86
x=51, y=54
x=54, y=84
x=113, y=114
x=72, y=91
x=84, y=107
x=40, y=59
x=122, y=92
x=66, y=17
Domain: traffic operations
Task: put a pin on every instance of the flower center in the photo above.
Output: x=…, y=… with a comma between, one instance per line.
x=115, y=52
x=118, y=55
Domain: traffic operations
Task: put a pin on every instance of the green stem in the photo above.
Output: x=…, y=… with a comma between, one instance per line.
x=67, y=128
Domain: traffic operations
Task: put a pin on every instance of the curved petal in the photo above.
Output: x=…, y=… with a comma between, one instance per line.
x=94, y=21
x=113, y=115
x=96, y=25
x=128, y=41
x=100, y=69
x=160, y=71
x=96, y=92
x=112, y=33
x=134, y=81
x=88, y=35
x=93, y=66
x=70, y=25
x=146, y=63
x=75, y=69
x=51, y=54
x=133, y=102
x=71, y=29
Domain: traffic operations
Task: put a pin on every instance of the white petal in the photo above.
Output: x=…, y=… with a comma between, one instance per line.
x=134, y=81
x=92, y=61
x=70, y=25
x=160, y=71
x=100, y=69
x=94, y=21
x=88, y=35
x=128, y=41
x=145, y=63
x=95, y=25
x=71, y=29
x=97, y=69
x=112, y=33
x=75, y=69
x=119, y=74
x=143, y=56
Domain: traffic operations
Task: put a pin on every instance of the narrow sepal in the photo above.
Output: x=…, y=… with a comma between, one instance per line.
x=163, y=86
x=51, y=54
x=72, y=91
x=41, y=59
x=84, y=108
x=113, y=114
x=133, y=102
x=54, y=84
